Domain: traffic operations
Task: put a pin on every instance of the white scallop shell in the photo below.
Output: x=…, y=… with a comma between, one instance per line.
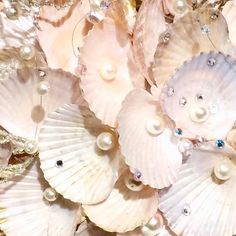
x=137, y=232
x=113, y=47
x=229, y=12
x=212, y=77
x=124, y=209
x=187, y=37
x=156, y=156
x=26, y=108
x=25, y=212
x=197, y=204
x=88, y=174
x=145, y=38
x=67, y=29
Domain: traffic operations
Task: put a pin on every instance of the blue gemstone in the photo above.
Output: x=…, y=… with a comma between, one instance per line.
x=178, y=131
x=220, y=143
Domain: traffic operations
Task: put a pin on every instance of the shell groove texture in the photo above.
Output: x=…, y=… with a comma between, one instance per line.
x=26, y=108
x=124, y=209
x=196, y=204
x=198, y=31
x=24, y=210
x=69, y=135
x=203, y=96
x=156, y=156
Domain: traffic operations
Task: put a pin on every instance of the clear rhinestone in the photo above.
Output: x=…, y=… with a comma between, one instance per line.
x=170, y=91
x=214, y=16
x=211, y=62
x=182, y=101
x=186, y=210
x=166, y=37
x=137, y=175
x=205, y=29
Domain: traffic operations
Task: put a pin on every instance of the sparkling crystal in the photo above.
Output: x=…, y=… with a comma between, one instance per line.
x=200, y=140
x=42, y=73
x=186, y=210
x=137, y=175
x=219, y=143
x=170, y=91
x=211, y=62
x=105, y=4
x=205, y=29
x=166, y=37
x=214, y=16
x=182, y=101
x=178, y=132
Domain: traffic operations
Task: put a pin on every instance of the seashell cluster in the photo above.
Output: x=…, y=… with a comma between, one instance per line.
x=117, y=118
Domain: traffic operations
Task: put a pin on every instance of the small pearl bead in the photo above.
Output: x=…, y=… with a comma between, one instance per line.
x=155, y=126
x=50, y=194
x=105, y=141
x=199, y=114
x=222, y=171
x=108, y=71
x=153, y=227
x=43, y=87
x=27, y=52
x=31, y=147
x=132, y=184
x=180, y=6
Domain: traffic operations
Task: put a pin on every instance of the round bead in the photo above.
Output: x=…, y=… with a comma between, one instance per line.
x=43, y=87
x=105, y=141
x=50, y=194
x=132, y=184
x=220, y=143
x=153, y=227
x=198, y=114
x=180, y=6
x=108, y=71
x=155, y=126
x=222, y=171
x=31, y=147
x=27, y=52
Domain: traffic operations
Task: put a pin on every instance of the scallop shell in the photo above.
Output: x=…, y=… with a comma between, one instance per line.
x=207, y=82
x=197, y=204
x=25, y=211
x=26, y=108
x=137, y=232
x=229, y=12
x=105, y=96
x=88, y=174
x=145, y=38
x=124, y=209
x=198, y=31
x=156, y=156
x=66, y=31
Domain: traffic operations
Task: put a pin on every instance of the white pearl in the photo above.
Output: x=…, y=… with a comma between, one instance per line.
x=153, y=227
x=222, y=171
x=132, y=184
x=43, y=87
x=105, y=141
x=27, y=52
x=155, y=126
x=198, y=114
x=31, y=147
x=180, y=6
x=50, y=194
x=108, y=71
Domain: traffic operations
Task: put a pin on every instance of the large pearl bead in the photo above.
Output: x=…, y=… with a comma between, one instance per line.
x=199, y=114
x=43, y=88
x=108, y=71
x=155, y=126
x=31, y=147
x=105, y=141
x=50, y=194
x=27, y=52
x=132, y=184
x=153, y=227
x=180, y=6
x=222, y=170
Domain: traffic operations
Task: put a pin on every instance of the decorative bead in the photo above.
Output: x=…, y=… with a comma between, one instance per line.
x=223, y=170
x=104, y=5
x=180, y=6
x=220, y=143
x=199, y=97
x=155, y=126
x=205, y=29
x=186, y=210
x=50, y=194
x=211, y=61
x=105, y=141
x=43, y=87
x=182, y=101
x=137, y=175
x=198, y=114
x=170, y=91
x=153, y=227
x=165, y=37
x=108, y=71
x=59, y=163
x=214, y=16
x=178, y=132
x=31, y=147
x=27, y=52
x=132, y=184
